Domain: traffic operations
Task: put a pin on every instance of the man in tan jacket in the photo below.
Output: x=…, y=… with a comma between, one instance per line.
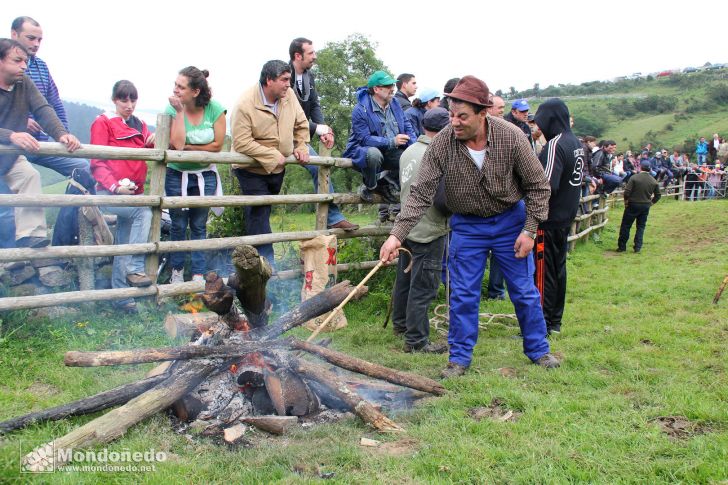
x=268, y=125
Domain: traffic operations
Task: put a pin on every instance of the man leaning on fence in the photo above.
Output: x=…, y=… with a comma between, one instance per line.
x=18, y=97
x=268, y=124
x=29, y=33
x=303, y=57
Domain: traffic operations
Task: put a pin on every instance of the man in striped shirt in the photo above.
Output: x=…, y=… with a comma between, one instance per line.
x=28, y=32
x=498, y=193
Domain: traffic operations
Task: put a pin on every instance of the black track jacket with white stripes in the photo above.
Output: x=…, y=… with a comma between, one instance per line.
x=563, y=161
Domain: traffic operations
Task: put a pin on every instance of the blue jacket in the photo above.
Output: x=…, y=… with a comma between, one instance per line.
x=702, y=148
x=415, y=117
x=366, y=129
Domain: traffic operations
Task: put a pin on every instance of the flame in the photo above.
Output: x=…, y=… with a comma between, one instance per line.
x=195, y=305
x=255, y=359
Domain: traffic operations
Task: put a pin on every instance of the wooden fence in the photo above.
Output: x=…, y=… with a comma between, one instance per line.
x=158, y=157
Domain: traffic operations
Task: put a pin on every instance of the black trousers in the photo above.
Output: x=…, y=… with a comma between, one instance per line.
x=551, y=248
x=257, y=218
x=414, y=291
x=632, y=212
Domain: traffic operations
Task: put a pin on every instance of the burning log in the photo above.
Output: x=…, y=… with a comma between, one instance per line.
x=182, y=379
x=141, y=356
x=99, y=402
x=317, y=305
x=234, y=372
x=186, y=324
x=377, y=371
x=359, y=406
x=252, y=273
x=272, y=424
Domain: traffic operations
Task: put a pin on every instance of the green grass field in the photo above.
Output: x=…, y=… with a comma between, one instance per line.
x=641, y=341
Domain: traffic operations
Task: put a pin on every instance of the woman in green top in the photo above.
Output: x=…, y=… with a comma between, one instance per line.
x=198, y=123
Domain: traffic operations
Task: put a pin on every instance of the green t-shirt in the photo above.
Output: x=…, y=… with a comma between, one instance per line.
x=198, y=134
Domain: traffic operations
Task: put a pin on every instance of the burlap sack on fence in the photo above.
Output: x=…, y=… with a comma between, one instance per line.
x=318, y=256
x=102, y=233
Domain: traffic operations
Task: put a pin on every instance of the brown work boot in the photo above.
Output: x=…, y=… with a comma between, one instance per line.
x=453, y=370
x=345, y=225
x=548, y=361
x=428, y=348
x=138, y=280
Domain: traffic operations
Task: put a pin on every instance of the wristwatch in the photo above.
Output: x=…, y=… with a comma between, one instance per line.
x=530, y=234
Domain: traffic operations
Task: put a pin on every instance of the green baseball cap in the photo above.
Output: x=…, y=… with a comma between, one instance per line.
x=380, y=78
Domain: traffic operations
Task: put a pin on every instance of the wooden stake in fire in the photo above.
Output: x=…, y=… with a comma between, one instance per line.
x=351, y=295
x=720, y=290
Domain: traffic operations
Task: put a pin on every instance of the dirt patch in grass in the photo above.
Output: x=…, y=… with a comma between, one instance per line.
x=508, y=372
x=403, y=447
x=497, y=411
x=679, y=427
x=42, y=389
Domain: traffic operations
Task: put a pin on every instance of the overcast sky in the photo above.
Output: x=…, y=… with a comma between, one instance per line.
x=90, y=45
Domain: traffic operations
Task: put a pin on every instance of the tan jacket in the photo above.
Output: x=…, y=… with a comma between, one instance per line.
x=262, y=135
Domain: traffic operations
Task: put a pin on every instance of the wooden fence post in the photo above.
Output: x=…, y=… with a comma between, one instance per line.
x=85, y=266
x=322, y=187
x=156, y=187
x=572, y=232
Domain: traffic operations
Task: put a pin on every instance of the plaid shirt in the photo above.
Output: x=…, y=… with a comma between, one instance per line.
x=510, y=172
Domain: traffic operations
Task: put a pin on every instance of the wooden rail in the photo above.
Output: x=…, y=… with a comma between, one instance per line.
x=158, y=158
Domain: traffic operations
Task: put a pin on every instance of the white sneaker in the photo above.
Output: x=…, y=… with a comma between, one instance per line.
x=198, y=277
x=178, y=276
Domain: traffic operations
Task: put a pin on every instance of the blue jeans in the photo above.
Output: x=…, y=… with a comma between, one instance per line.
x=472, y=238
x=7, y=219
x=257, y=218
x=62, y=165
x=702, y=158
x=194, y=217
x=378, y=160
x=132, y=227
x=611, y=182
x=335, y=216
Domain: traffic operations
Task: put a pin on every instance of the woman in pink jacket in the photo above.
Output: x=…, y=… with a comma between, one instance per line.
x=124, y=177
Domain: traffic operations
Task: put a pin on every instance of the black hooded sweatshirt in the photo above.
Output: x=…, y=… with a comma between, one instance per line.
x=563, y=160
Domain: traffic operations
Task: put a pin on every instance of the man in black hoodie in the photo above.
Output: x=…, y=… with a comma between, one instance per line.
x=563, y=159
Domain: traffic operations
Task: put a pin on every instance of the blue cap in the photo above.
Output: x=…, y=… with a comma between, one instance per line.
x=427, y=95
x=520, y=105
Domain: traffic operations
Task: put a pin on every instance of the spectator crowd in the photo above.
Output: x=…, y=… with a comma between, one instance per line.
x=430, y=156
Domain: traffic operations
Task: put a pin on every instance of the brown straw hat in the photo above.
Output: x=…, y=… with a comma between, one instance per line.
x=472, y=90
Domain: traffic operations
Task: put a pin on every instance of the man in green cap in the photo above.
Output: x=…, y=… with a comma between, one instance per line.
x=379, y=134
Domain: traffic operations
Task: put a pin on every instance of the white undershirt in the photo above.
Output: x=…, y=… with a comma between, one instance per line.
x=299, y=81
x=478, y=157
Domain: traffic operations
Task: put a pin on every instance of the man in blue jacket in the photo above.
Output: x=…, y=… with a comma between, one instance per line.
x=379, y=134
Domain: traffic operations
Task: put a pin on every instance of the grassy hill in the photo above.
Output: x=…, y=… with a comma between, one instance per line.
x=669, y=112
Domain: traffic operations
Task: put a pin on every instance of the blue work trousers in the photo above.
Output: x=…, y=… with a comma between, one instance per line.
x=472, y=238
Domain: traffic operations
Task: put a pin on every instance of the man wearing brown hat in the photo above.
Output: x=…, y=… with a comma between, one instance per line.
x=498, y=193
